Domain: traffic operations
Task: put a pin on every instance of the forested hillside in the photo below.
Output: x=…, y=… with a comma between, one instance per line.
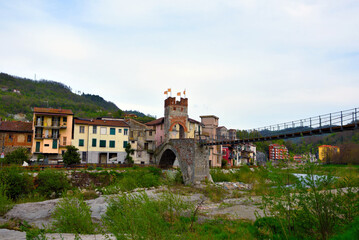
x=20, y=95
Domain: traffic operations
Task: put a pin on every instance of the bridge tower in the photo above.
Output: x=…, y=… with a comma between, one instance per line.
x=176, y=118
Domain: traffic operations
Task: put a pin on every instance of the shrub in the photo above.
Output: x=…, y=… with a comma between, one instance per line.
x=73, y=215
x=52, y=181
x=311, y=209
x=18, y=156
x=18, y=184
x=5, y=202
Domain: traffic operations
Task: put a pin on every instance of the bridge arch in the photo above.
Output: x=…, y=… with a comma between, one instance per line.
x=168, y=158
x=191, y=157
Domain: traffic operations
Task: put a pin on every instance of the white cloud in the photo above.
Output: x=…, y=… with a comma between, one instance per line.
x=251, y=63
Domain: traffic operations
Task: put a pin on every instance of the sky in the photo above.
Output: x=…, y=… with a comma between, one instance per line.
x=252, y=63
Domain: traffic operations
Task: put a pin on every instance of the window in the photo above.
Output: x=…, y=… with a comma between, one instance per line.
x=10, y=137
x=103, y=130
x=112, y=144
x=125, y=131
x=112, y=131
x=150, y=133
x=120, y=130
x=47, y=145
x=29, y=138
x=82, y=129
x=94, y=129
x=64, y=139
x=124, y=144
x=102, y=143
x=94, y=142
x=81, y=142
x=64, y=120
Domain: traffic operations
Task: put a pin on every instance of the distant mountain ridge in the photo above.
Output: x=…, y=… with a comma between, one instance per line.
x=19, y=95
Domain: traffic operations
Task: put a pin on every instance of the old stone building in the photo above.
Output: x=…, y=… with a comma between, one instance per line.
x=14, y=134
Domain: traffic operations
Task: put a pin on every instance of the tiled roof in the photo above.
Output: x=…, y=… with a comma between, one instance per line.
x=52, y=111
x=156, y=122
x=329, y=146
x=16, y=126
x=99, y=122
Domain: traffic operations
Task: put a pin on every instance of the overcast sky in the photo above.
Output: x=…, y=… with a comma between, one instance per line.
x=251, y=63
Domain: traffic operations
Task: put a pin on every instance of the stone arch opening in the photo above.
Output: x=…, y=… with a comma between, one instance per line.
x=167, y=159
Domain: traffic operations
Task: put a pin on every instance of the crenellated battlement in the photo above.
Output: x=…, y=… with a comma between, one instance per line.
x=171, y=101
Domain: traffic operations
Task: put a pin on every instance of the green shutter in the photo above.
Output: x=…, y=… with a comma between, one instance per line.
x=124, y=144
x=112, y=144
x=81, y=142
x=54, y=143
x=102, y=143
x=37, y=147
x=94, y=142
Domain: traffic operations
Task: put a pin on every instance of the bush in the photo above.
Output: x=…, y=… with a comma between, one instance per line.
x=18, y=184
x=310, y=210
x=5, y=202
x=18, y=156
x=73, y=215
x=52, y=181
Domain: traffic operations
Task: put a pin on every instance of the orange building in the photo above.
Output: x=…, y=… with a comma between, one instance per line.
x=52, y=132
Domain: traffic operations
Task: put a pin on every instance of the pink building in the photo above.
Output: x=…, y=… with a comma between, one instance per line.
x=158, y=126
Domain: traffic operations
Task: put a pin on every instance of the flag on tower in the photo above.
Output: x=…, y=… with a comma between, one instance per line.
x=165, y=92
x=169, y=90
x=184, y=93
x=179, y=94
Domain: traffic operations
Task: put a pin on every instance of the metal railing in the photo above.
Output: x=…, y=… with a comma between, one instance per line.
x=330, y=120
x=337, y=121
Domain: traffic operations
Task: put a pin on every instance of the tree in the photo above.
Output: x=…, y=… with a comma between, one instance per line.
x=18, y=156
x=71, y=156
x=129, y=152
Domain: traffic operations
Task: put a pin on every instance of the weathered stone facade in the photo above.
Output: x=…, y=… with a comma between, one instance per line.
x=192, y=159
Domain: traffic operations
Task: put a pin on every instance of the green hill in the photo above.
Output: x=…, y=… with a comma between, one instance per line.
x=52, y=94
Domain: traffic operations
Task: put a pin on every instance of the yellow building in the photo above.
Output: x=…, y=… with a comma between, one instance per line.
x=101, y=141
x=52, y=132
x=325, y=151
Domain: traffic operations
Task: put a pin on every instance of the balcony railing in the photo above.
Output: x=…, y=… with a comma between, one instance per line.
x=49, y=136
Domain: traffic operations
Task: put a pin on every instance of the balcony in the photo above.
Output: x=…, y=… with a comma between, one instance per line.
x=49, y=136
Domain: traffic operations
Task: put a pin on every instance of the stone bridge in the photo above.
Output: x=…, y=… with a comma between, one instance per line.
x=192, y=159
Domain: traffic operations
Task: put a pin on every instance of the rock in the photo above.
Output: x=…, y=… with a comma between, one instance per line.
x=37, y=213
x=6, y=234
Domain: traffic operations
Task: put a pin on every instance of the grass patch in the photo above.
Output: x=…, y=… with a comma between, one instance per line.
x=73, y=215
x=136, y=216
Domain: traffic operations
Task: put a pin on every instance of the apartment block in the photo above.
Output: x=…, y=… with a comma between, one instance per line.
x=277, y=152
x=101, y=141
x=52, y=132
